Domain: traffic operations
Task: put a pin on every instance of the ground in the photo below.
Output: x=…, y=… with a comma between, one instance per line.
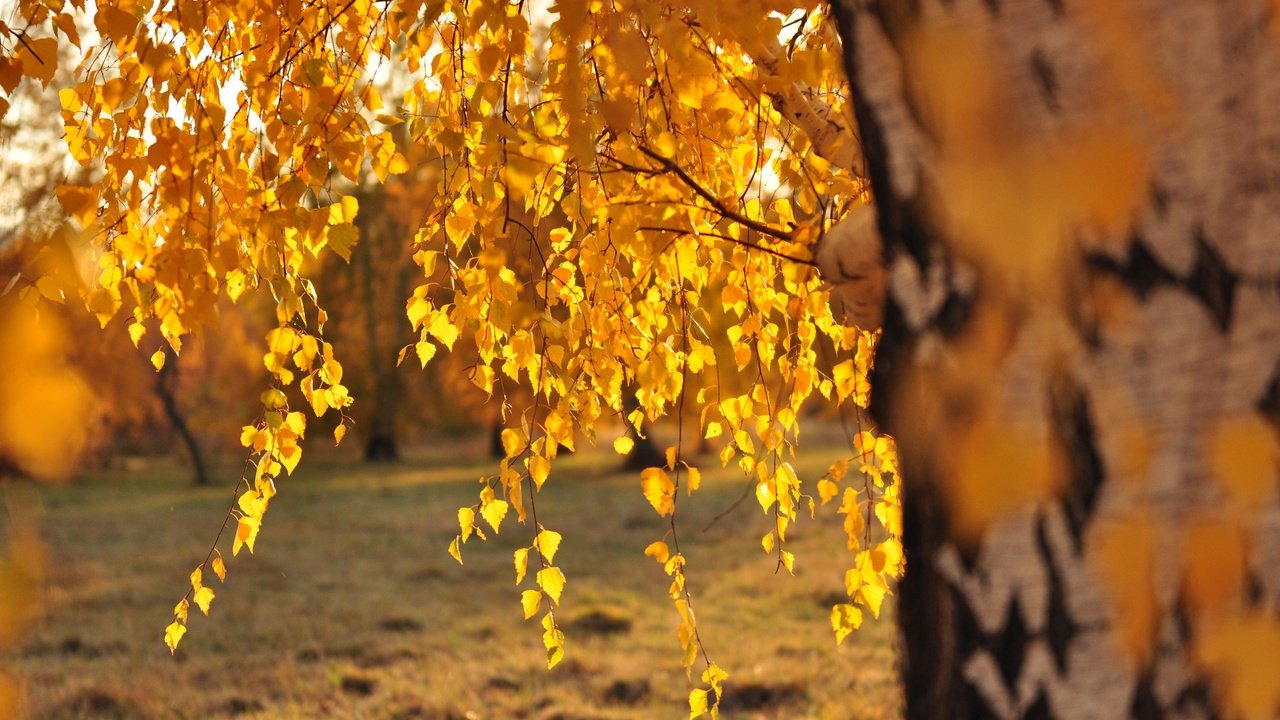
x=352, y=607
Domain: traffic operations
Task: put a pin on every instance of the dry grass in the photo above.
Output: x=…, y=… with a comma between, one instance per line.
x=352, y=608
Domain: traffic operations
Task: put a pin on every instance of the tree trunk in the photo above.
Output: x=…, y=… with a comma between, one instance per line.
x=381, y=444
x=644, y=452
x=164, y=379
x=1080, y=209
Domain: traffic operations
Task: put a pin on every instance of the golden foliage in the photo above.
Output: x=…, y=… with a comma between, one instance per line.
x=620, y=211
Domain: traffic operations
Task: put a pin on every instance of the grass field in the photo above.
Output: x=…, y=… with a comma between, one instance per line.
x=352, y=608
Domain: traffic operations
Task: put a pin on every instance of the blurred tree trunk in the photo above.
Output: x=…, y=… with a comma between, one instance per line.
x=1086, y=419
x=644, y=452
x=166, y=379
x=382, y=435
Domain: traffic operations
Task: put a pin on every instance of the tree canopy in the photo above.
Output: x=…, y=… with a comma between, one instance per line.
x=618, y=208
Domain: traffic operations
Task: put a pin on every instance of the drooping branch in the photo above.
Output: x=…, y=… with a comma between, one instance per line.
x=671, y=166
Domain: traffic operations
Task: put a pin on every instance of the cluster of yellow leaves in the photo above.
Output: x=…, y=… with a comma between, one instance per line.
x=618, y=212
x=878, y=561
x=274, y=449
x=27, y=52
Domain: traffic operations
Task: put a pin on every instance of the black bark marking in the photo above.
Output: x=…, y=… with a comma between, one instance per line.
x=1009, y=646
x=1181, y=616
x=1254, y=591
x=1145, y=705
x=894, y=338
x=1038, y=710
x=993, y=6
x=953, y=316
x=1140, y=271
x=1073, y=429
x=1196, y=701
x=1212, y=283
x=1046, y=79
x=1194, y=697
x=1160, y=199
x=969, y=640
x=940, y=627
x=1060, y=628
x=1269, y=403
x=900, y=220
x=1057, y=7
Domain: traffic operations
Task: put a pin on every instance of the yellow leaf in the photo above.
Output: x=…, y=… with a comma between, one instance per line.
x=845, y=375
x=466, y=522
x=81, y=203
x=522, y=565
x=246, y=534
x=827, y=490
x=202, y=598
x=417, y=309
x=157, y=359
x=658, y=550
x=844, y=620
x=695, y=479
x=397, y=165
x=115, y=23
x=173, y=635
x=789, y=562
x=766, y=494
x=539, y=470
x=219, y=567
x=11, y=75
x=425, y=351
x=289, y=457
x=530, y=600
x=39, y=59
x=697, y=703
x=341, y=238
x=659, y=490
x=548, y=542
x=483, y=378
x=272, y=399
x=513, y=442
x=714, y=675
x=339, y=432
x=443, y=329
x=297, y=423
x=623, y=445
x=344, y=211
x=493, y=512
x=553, y=639
x=454, y=551
x=551, y=580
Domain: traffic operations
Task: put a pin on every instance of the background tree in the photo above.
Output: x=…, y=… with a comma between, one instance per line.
x=1080, y=350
